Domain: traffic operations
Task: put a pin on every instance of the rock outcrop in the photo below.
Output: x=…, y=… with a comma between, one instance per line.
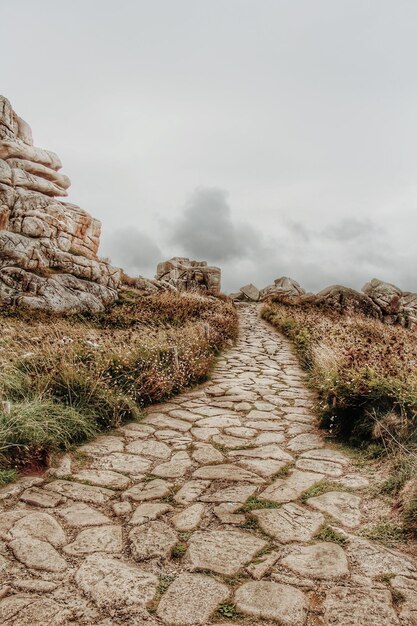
x=48, y=248
x=284, y=286
x=186, y=275
x=346, y=300
x=397, y=307
x=378, y=299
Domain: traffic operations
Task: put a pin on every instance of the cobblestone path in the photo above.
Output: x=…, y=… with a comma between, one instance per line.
x=197, y=516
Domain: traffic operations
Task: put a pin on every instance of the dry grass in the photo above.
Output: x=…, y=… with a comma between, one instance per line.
x=365, y=373
x=67, y=378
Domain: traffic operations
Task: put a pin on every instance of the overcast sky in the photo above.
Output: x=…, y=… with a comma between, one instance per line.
x=270, y=137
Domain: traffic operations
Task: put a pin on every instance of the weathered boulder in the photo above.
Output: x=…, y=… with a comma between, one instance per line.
x=284, y=286
x=186, y=275
x=386, y=296
x=398, y=307
x=247, y=293
x=48, y=248
x=346, y=300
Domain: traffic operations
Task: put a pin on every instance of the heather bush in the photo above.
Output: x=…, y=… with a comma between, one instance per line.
x=68, y=378
x=365, y=376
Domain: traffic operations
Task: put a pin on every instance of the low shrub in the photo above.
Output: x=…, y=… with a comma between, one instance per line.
x=68, y=378
x=365, y=376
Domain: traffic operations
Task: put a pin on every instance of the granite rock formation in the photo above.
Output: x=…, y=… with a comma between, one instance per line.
x=378, y=299
x=48, y=248
x=283, y=286
x=186, y=275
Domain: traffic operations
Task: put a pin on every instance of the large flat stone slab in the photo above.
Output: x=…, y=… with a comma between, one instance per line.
x=155, y=539
x=80, y=492
x=39, y=497
x=324, y=467
x=234, y=493
x=371, y=559
x=291, y=522
x=171, y=423
x=190, y=491
x=36, y=554
x=189, y=519
x=152, y=490
x=30, y=610
x=269, y=600
x=356, y=606
x=98, y=539
x=175, y=468
x=263, y=467
x=222, y=551
x=103, y=478
x=203, y=595
x=343, y=506
x=122, y=462
x=40, y=526
x=226, y=472
x=78, y=515
x=323, y=560
x=206, y=454
x=268, y=451
x=149, y=448
x=148, y=511
x=305, y=441
x=114, y=584
x=291, y=487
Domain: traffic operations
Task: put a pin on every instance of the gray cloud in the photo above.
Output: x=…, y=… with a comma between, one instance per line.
x=351, y=228
x=206, y=229
x=132, y=250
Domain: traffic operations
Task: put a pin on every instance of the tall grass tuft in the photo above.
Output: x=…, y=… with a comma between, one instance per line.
x=365, y=375
x=68, y=378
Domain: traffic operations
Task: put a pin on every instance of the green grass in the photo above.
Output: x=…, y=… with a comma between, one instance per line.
x=250, y=523
x=254, y=502
x=317, y=490
x=327, y=533
x=7, y=476
x=33, y=429
x=228, y=611
x=386, y=532
x=165, y=580
x=179, y=550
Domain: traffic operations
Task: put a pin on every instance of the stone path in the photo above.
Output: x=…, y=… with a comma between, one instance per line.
x=197, y=515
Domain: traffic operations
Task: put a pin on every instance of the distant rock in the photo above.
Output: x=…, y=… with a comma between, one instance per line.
x=48, y=248
x=378, y=299
x=247, y=293
x=186, y=275
x=344, y=299
x=398, y=307
x=284, y=286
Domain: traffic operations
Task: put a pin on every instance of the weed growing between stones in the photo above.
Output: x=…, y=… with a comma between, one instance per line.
x=228, y=611
x=327, y=533
x=254, y=502
x=385, y=532
x=179, y=550
x=320, y=488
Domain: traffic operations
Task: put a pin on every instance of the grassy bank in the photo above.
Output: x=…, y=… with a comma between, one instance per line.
x=365, y=375
x=65, y=379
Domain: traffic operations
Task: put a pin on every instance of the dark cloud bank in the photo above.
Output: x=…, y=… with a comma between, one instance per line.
x=349, y=251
